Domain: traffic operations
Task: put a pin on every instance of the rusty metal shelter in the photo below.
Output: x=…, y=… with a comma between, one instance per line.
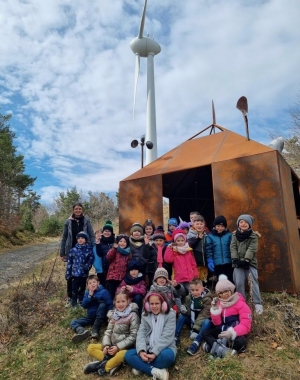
x=223, y=173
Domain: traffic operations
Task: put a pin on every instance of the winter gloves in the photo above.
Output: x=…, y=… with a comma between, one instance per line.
x=241, y=263
x=210, y=264
x=183, y=309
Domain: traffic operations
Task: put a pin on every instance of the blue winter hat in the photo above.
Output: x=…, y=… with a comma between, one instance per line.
x=247, y=218
x=172, y=222
x=133, y=264
x=83, y=235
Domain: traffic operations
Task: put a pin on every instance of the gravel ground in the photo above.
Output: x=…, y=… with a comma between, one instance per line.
x=16, y=263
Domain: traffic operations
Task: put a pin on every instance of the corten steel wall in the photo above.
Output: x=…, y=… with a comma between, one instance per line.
x=252, y=185
x=140, y=199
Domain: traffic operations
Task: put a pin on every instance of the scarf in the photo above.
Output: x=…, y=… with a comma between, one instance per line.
x=133, y=281
x=160, y=256
x=122, y=314
x=184, y=249
x=124, y=251
x=166, y=289
x=242, y=236
x=157, y=322
x=215, y=232
x=194, y=303
x=230, y=302
x=136, y=242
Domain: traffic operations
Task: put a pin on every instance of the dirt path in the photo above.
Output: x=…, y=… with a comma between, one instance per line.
x=16, y=263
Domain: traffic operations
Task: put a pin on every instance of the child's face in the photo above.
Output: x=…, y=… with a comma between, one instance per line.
x=198, y=225
x=92, y=284
x=225, y=294
x=106, y=233
x=196, y=290
x=134, y=273
x=243, y=225
x=121, y=302
x=159, y=242
x=220, y=228
x=122, y=243
x=148, y=230
x=136, y=234
x=81, y=240
x=155, y=304
x=161, y=281
x=180, y=241
x=171, y=227
x=185, y=229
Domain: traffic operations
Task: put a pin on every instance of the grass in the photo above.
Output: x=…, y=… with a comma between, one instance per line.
x=35, y=338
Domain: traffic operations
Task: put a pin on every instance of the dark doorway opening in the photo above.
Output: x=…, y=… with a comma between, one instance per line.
x=190, y=190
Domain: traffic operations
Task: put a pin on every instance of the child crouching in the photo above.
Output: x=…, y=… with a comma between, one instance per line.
x=120, y=335
x=232, y=319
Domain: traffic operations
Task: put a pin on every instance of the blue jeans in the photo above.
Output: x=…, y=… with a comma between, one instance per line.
x=183, y=319
x=163, y=360
x=138, y=299
x=89, y=320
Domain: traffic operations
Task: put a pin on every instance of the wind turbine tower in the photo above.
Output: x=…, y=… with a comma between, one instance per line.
x=146, y=47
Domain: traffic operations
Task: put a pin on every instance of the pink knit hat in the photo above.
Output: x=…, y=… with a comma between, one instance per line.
x=224, y=284
x=177, y=233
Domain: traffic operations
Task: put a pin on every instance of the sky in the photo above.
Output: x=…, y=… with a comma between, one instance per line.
x=67, y=77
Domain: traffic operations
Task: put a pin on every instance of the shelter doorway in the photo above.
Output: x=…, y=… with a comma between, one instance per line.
x=190, y=190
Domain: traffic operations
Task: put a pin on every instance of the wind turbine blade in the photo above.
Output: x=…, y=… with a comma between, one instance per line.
x=137, y=71
x=141, y=31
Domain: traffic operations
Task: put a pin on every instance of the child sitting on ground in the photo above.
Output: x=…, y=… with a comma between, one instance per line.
x=134, y=284
x=232, y=321
x=80, y=261
x=196, y=314
x=97, y=301
x=119, y=336
x=118, y=258
x=181, y=256
x=171, y=289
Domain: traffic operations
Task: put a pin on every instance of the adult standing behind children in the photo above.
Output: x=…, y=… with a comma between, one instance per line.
x=196, y=238
x=106, y=242
x=217, y=247
x=243, y=248
x=73, y=225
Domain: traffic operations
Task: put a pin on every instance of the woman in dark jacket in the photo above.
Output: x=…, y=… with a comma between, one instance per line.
x=76, y=223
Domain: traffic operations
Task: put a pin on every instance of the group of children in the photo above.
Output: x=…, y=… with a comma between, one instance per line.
x=174, y=268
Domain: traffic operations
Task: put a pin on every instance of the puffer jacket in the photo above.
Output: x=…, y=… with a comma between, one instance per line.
x=245, y=250
x=237, y=317
x=185, y=267
x=217, y=247
x=204, y=313
x=198, y=245
x=122, y=333
x=117, y=264
x=80, y=261
x=91, y=303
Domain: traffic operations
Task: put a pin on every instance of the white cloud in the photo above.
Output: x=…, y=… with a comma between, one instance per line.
x=67, y=74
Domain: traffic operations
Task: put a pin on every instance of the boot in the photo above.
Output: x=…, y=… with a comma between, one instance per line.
x=96, y=327
x=81, y=335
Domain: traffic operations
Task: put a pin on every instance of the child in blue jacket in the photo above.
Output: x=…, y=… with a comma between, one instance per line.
x=98, y=302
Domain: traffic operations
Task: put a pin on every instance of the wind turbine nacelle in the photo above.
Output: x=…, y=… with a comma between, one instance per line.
x=144, y=46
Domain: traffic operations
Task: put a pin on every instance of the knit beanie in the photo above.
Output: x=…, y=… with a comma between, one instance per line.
x=224, y=284
x=160, y=228
x=83, y=235
x=122, y=236
x=183, y=225
x=160, y=272
x=177, y=233
x=108, y=226
x=136, y=227
x=158, y=234
x=220, y=220
x=133, y=264
x=172, y=222
x=247, y=218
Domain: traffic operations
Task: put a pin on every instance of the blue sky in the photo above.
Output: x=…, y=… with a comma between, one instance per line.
x=67, y=76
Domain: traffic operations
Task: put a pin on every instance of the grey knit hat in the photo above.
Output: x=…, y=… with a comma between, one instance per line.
x=247, y=218
x=136, y=227
x=224, y=284
x=83, y=235
x=160, y=272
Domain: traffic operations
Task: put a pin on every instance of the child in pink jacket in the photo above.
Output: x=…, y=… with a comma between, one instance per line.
x=232, y=319
x=181, y=256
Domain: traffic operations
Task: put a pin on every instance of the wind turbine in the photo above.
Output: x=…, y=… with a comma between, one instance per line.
x=146, y=47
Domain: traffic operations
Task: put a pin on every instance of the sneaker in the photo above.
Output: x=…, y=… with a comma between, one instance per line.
x=92, y=367
x=95, y=335
x=68, y=302
x=160, y=374
x=102, y=372
x=114, y=370
x=194, y=347
x=219, y=351
x=177, y=341
x=206, y=347
x=136, y=372
x=81, y=336
x=259, y=309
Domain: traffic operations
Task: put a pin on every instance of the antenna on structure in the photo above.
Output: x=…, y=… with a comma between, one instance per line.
x=242, y=105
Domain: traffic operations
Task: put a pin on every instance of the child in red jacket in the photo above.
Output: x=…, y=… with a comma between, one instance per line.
x=232, y=319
